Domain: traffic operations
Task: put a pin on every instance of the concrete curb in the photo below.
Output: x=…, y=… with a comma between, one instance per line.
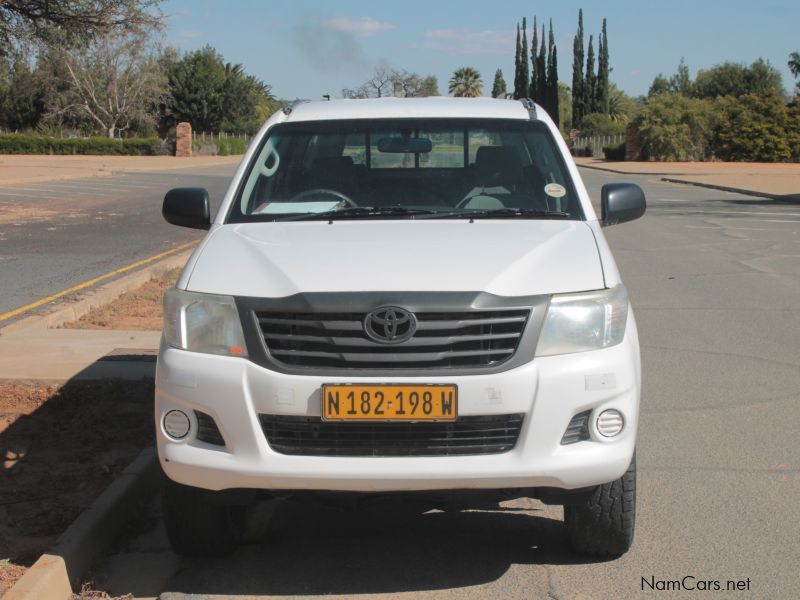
x=53, y=576
x=733, y=190
x=113, y=171
x=619, y=172
x=99, y=296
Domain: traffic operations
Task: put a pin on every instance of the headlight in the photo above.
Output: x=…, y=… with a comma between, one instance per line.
x=203, y=323
x=580, y=322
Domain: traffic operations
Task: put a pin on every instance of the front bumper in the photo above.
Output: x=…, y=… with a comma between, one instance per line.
x=548, y=391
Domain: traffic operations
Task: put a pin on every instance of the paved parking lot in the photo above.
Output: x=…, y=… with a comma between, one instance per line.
x=715, y=280
x=55, y=235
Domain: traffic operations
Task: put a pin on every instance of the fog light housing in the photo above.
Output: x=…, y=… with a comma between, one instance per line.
x=177, y=424
x=610, y=423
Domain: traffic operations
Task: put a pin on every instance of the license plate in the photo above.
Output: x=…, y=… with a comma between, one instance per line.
x=389, y=402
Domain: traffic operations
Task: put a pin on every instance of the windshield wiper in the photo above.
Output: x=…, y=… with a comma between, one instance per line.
x=359, y=212
x=499, y=213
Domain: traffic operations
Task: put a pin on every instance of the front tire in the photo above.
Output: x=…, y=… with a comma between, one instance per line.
x=603, y=524
x=198, y=526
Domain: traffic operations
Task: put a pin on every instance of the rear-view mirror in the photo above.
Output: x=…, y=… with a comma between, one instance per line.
x=402, y=145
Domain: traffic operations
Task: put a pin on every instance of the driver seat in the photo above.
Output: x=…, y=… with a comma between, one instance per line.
x=336, y=173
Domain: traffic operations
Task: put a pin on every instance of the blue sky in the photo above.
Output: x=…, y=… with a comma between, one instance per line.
x=306, y=48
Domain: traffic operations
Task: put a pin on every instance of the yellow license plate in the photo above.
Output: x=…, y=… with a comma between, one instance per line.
x=389, y=402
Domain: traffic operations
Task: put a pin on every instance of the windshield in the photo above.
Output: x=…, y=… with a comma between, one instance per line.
x=414, y=168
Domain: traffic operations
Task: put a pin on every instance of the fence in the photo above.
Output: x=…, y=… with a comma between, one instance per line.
x=202, y=136
x=582, y=145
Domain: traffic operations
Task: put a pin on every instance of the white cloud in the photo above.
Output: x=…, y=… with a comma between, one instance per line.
x=366, y=26
x=467, y=41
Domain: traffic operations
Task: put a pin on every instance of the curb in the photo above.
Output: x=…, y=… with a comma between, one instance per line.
x=733, y=190
x=53, y=575
x=619, y=172
x=99, y=296
x=113, y=171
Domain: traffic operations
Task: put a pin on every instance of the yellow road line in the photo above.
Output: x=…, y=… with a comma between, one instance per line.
x=91, y=282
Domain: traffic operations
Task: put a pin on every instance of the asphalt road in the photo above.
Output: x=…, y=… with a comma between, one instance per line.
x=55, y=235
x=715, y=282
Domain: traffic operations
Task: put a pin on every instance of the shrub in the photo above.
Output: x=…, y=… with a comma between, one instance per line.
x=614, y=151
x=757, y=128
x=40, y=144
x=600, y=124
x=229, y=146
x=672, y=127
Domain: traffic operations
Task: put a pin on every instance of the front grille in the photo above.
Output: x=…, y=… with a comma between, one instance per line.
x=478, y=338
x=310, y=436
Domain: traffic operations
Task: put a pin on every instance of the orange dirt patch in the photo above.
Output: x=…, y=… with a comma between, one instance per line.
x=137, y=310
x=61, y=446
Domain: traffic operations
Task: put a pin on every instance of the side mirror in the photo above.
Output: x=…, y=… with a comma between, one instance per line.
x=621, y=202
x=187, y=207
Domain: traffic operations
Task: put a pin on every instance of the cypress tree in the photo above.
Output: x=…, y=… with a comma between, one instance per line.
x=589, y=98
x=577, y=74
x=533, y=91
x=552, y=76
x=602, y=72
x=541, y=68
x=499, y=87
x=516, y=67
x=524, y=81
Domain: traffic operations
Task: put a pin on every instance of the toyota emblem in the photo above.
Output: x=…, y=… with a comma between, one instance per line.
x=390, y=325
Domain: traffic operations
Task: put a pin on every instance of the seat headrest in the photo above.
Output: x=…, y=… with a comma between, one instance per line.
x=498, y=164
x=332, y=171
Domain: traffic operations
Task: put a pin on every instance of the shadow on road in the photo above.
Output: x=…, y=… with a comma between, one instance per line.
x=387, y=549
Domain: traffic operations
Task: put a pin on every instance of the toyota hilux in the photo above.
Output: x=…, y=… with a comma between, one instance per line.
x=401, y=296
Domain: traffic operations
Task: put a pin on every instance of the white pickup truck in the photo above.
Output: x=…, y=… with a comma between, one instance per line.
x=407, y=296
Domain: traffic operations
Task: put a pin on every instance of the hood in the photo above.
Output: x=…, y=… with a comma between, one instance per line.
x=503, y=257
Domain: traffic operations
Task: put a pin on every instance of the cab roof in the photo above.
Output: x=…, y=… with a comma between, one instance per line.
x=402, y=108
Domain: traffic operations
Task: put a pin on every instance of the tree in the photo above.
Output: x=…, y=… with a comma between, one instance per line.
x=466, y=83
x=499, y=86
x=681, y=83
x=577, y=73
x=196, y=84
x=601, y=89
x=216, y=96
x=541, y=73
x=524, y=76
x=533, y=88
x=115, y=82
x=621, y=107
x=660, y=85
x=756, y=128
x=794, y=63
x=590, y=83
x=23, y=99
x=564, y=105
x=72, y=21
x=672, y=127
x=732, y=79
x=552, y=77
x=794, y=67
x=517, y=63
x=386, y=79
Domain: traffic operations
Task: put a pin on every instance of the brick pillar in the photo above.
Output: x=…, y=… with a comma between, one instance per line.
x=183, y=141
x=633, y=144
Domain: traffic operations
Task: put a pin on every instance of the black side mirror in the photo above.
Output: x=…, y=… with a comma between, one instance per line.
x=187, y=207
x=620, y=202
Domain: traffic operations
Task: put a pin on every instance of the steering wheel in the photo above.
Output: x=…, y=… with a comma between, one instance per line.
x=302, y=196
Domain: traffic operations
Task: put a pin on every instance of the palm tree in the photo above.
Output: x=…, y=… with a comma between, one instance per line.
x=794, y=63
x=466, y=83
